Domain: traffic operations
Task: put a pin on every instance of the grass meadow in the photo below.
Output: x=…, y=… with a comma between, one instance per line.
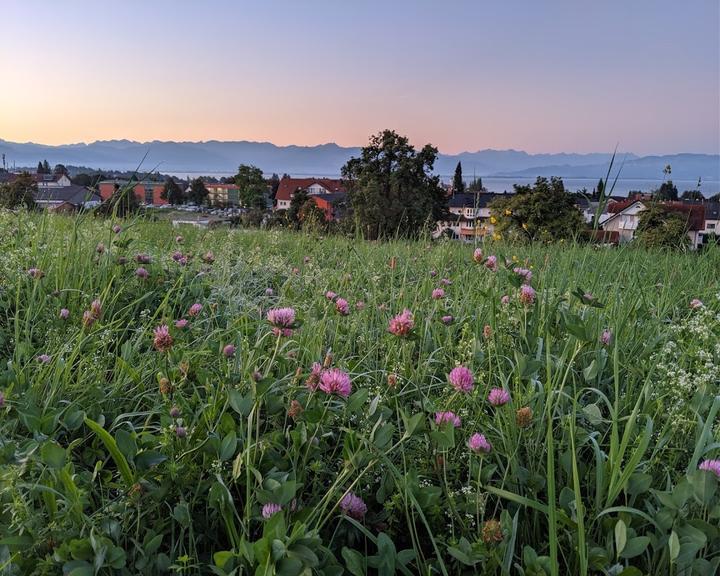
x=551, y=410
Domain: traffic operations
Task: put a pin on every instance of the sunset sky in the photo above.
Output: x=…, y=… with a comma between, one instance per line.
x=541, y=76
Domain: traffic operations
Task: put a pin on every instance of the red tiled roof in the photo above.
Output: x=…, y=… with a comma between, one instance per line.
x=695, y=212
x=288, y=186
x=615, y=207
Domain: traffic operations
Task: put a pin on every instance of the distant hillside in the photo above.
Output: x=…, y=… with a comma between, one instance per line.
x=684, y=167
x=327, y=159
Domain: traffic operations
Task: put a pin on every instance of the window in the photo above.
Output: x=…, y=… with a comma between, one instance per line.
x=148, y=194
x=711, y=226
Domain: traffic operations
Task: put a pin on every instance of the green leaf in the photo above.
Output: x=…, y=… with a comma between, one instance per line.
x=445, y=437
x=635, y=546
x=228, y=446
x=674, y=546
x=356, y=401
x=126, y=443
x=289, y=567
x=639, y=483
x=354, y=562
x=78, y=568
x=149, y=458
x=112, y=447
x=383, y=436
x=53, y=454
x=181, y=513
x=620, y=537
x=414, y=424
x=73, y=420
x=704, y=486
x=241, y=404
x=221, y=558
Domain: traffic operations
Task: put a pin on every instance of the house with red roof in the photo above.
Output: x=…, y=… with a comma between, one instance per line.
x=624, y=216
x=326, y=192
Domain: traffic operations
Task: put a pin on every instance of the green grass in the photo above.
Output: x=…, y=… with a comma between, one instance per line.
x=95, y=476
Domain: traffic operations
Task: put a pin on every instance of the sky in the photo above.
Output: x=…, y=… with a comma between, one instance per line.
x=540, y=76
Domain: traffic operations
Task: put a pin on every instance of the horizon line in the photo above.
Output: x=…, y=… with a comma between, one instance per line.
x=267, y=142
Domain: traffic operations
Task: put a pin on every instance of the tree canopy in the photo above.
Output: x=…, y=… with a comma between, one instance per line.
x=172, y=192
x=476, y=185
x=20, y=193
x=667, y=191
x=458, y=182
x=299, y=198
x=198, y=193
x=692, y=195
x=252, y=187
x=543, y=211
x=391, y=187
x=659, y=226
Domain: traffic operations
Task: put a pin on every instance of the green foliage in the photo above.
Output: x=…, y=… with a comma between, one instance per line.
x=391, y=187
x=476, y=185
x=299, y=198
x=543, y=211
x=116, y=458
x=43, y=167
x=659, y=226
x=458, y=182
x=666, y=192
x=252, y=187
x=198, y=193
x=312, y=217
x=693, y=195
x=19, y=194
x=172, y=192
x=122, y=203
x=273, y=183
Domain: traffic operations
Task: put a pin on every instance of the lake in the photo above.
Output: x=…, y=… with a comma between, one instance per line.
x=503, y=184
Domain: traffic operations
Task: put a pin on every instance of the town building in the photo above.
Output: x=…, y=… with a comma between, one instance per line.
x=326, y=192
x=469, y=216
x=146, y=191
x=624, y=217
x=221, y=194
x=66, y=198
x=42, y=180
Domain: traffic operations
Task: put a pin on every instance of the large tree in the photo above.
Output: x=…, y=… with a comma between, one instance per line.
x=299, y=198
x=392, y=189
x=692, y=195
x=543, y=211
x=198, y=193
x=274, y=183
x=667, y=191
x=252, y=187
x=172, y=192
x=458, y=182
x=476, y=185
x=20, y=193
x=659, y=226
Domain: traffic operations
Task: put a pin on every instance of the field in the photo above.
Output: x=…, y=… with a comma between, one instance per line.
x=163, y=412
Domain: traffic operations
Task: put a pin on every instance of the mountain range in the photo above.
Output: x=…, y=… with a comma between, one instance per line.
x=326, y=159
